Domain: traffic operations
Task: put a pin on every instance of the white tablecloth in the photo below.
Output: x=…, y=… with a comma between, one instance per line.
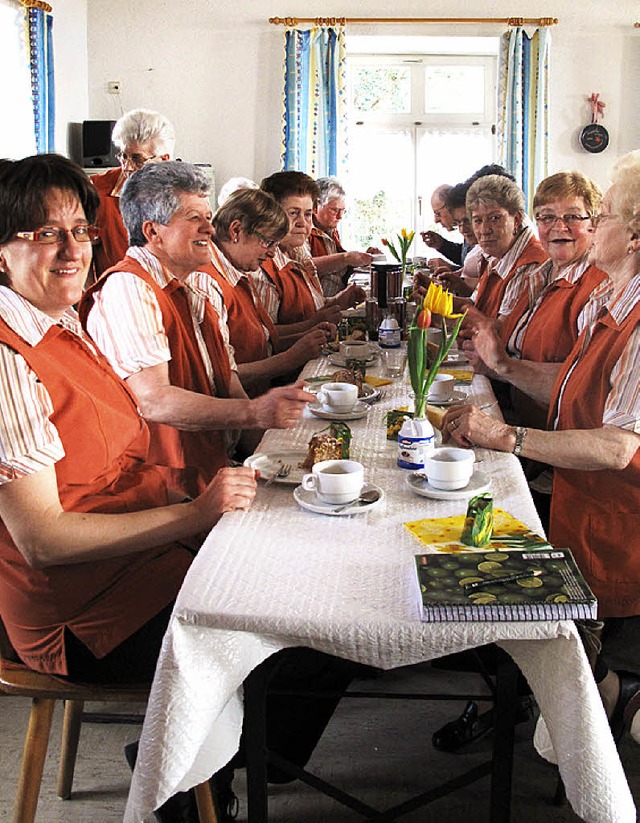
x=278, y=576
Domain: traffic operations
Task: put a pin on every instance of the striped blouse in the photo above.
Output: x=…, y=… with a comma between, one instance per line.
x=126, y=321
x=622, y=408
x=28, y=439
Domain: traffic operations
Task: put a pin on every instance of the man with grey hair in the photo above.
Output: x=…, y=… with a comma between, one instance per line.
x=161, y=322
x=141, y=136
x=333, y=263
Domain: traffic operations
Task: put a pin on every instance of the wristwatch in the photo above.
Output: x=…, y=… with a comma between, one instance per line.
x=521, y=433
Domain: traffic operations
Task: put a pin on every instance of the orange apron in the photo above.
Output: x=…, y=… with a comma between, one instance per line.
x=597, y=513
x=491, y=287
x=102, y=602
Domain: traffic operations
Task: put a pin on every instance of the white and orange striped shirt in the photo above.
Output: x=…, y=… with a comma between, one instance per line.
x=126, y=322
x=540, y=279
x=622, y=408
x=28, y=439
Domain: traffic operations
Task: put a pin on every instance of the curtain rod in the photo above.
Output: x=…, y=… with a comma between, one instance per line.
x=341, y=21
x=36, y=4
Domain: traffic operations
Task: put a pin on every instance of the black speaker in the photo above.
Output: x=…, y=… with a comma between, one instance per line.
x=97, y=148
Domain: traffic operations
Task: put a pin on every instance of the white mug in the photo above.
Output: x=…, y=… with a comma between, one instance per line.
x=335, y=481
x=442, y=387
x=338, y=397
x=354, y=349
x=449, y=468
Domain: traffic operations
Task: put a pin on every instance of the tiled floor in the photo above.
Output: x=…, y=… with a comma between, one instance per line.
x=379, y=750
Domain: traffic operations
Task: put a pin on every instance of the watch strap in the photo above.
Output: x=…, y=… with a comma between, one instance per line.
x=521, y=433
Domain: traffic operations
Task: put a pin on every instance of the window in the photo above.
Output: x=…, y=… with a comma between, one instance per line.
x=17, y=138
x=416, y=120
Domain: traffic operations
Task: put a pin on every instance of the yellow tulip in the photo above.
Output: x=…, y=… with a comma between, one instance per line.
x=439, y=301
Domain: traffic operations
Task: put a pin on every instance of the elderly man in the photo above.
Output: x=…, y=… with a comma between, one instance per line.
x=160, y=320
x=141, y=136
x=333, y=263
x=443, y=217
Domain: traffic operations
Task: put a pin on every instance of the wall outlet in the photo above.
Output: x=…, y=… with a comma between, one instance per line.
x=114, y=87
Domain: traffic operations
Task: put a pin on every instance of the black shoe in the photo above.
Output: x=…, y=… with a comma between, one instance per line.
x=225, y=801
x=180, y=808
x=472, y=726
x=627, y=705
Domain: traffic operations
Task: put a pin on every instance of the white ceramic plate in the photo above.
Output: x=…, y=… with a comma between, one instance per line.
x=309, y=500
x=340, y=360
x=479, y=483
x=456, y=397
x=268, y=464
x=359, y=410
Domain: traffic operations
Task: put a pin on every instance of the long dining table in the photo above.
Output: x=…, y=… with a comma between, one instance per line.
x=279, y=576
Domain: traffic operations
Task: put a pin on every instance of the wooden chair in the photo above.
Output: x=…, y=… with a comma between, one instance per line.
x=44, y=690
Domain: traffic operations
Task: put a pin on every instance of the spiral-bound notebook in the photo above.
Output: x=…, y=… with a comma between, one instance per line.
x=544, y=584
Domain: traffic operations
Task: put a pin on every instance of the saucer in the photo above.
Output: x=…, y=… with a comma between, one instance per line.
x=456, y=397
x=359, y=410
x=308, y=499
x=479, y=482
x=268, y=464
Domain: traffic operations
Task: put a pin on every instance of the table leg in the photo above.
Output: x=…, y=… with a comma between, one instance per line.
x=506, y=702
x=255, y=738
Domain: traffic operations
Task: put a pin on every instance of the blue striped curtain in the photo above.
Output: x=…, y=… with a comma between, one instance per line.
x=40, y=27
x=314, y=127
x=523, y=106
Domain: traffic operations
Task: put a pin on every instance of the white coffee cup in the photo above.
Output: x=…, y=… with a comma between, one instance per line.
x=335, y=481
x=442, y=387
x=354, y=349
x=338, y=397
x=449, y=468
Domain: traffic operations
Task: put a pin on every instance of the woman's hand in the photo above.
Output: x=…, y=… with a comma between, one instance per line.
x=308, y=347
x=467, y=426
x=350, y=297
x=230, y=489
x=331, y=312
x=485, y=351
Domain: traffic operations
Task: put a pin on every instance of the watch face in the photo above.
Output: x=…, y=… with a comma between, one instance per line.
x=594, y=138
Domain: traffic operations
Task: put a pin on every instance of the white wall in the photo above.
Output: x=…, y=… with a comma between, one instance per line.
x=71, y=68
x=215, y=66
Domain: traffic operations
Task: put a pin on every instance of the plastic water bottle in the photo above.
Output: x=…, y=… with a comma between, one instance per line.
x=389, y=333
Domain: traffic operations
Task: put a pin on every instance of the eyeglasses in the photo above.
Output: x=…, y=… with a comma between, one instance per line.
x=264, y=241
x=54, y=234
x=571, y=221
x=337, y=212
x=136, y=160
x=601, y=218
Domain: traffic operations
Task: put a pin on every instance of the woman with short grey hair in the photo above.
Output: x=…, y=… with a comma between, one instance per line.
x=160, y=319
x=333, y=263
x=142, y=136
x=511, y=251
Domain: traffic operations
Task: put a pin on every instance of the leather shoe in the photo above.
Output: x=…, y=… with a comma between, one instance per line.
x=472, y=726
x=627, y=705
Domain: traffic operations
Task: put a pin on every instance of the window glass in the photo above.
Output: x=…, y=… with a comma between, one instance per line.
x=382, y=89
x=454, y=89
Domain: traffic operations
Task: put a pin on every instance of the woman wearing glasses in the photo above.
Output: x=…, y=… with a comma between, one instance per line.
x=561, y=297
x=594, y=441
x=333, y=262
x=91, y=554
x=141, y=136
x=247, y=230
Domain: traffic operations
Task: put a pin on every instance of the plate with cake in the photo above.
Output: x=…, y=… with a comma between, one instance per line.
x=270, y=463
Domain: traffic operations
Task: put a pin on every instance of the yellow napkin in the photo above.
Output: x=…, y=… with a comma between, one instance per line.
x=377, y=381
x=443, y=533
x=461, y=375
